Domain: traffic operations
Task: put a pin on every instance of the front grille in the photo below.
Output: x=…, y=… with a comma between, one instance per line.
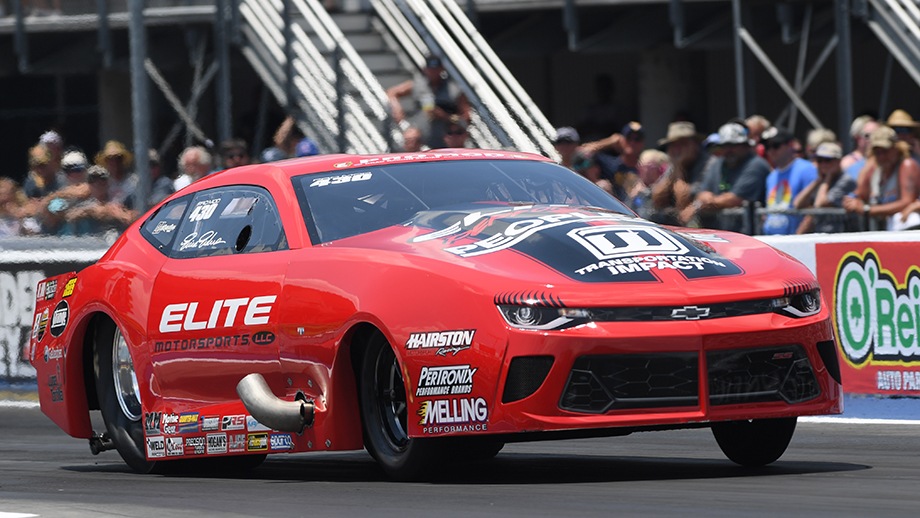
x=758, y=375
x=525, y=375
x=599, y=384
x=603, y=383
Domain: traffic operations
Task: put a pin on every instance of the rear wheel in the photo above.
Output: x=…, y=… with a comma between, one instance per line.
x=754, y=443
x=119, y=397
x=384, y=414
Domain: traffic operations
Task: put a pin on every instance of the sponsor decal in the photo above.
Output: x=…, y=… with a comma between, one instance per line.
x=445, y=381
x=163, y=227
x=454, y=415
x=877, y=318
x=195, y=445
x=210, y=423
x=204, y=210
x=40, y=291
x=53, y=353
x=263, y=338
x=236, y=442
x=282, y=441
x=50, y=290
x=188, y=422
x=435, y=155
x=174, y=447
x=194, y=241
x=254, y=426
x=153, y=422
x=233, y=422
x=212, y=342
x=54, y=385
x=183, y=316
x=444, y=341
x=41, y=323
x=257, y=442
x=59, y=318
x=341, y=165
x=338, y=180
x=217, y=443
x=68, y=288
x=156, y=448
x=170, y=422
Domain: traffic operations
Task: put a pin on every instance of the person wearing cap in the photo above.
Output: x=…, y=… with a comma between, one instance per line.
x=306, y=147
x=828, y=189
x=906, y=128
x=117, y=160
x=860, y=130
x=234, y=153
x=736, y=177
x=55, y=144
x=99, y=213
x=568, y=144
x=688, y=160
x=619, y=169
x=195, y=162
x=74, y=164
x=789, y=177
x=43, y=177
x=888, y=183
x=437, y=97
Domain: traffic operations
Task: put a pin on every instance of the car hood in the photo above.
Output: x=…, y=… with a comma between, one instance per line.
x=589, y=250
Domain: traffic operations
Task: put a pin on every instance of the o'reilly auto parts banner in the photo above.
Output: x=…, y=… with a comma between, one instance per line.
x=873, y=290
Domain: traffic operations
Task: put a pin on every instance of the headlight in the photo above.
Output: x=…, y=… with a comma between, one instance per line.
x=538, y=317
x=800, y=305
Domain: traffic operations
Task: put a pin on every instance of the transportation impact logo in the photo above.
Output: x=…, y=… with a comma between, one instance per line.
x=877, y=320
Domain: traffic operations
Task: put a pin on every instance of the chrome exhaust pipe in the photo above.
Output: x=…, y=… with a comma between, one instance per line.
x=268, y=409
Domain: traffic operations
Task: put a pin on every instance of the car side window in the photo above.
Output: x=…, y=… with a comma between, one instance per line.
x=160, y=228
x=229, y=220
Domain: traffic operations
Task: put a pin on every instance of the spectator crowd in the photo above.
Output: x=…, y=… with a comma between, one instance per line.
x=747, y=176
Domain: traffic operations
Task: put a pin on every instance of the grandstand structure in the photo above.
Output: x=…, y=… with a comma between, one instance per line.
x=168, y=73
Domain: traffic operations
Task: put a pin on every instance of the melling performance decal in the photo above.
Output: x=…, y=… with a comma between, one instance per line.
x=579, y=245
x=454, y=415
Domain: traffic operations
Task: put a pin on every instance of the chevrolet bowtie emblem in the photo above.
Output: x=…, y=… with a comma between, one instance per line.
x=690, y=313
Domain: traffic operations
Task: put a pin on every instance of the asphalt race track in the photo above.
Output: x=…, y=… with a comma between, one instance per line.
x=834, y=469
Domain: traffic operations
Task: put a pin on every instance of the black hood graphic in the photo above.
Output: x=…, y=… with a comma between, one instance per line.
x=584, y=244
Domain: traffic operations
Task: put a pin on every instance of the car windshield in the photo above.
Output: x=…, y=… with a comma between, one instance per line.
x=341, y=204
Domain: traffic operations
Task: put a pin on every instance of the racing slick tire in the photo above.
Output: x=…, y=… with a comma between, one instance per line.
x=756, y=442
x=119, y=400
x=384, y=415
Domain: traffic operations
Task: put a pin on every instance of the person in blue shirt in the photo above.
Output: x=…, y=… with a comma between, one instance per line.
x=790, y=176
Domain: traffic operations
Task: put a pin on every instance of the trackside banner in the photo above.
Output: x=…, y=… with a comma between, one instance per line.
x=20, y=272
x=873, y=290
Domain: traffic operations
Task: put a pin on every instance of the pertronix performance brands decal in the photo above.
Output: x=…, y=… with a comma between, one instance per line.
x=583, y=245
x=448, y=380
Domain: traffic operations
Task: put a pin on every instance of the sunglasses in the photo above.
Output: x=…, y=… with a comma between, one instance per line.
x=823, y=160
x=456, y=132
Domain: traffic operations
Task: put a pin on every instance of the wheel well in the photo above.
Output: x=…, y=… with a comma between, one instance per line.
x=89, y=362
x=360, y=336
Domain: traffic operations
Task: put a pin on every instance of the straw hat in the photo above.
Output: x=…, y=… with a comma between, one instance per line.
x=902, y=119
x=678, y=130
x=114, y=148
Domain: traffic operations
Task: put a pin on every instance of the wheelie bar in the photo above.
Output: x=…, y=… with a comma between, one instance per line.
x=99, y=443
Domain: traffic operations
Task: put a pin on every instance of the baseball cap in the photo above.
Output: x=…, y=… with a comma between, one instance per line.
x=633, y=127
x=306, y=147
x=711, y=140
x=433, y=62
x=829, y=150
x=51, y=137
x=734, y=133
x=74, y=161
x=566, y=134
x=775, y=136
x=96, y=172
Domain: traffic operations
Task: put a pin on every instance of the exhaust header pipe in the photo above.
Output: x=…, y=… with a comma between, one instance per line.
x=268, y=409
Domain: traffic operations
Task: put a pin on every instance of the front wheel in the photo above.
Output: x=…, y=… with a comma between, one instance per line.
x=119, y=397
x=384, y=414
x=754, y=443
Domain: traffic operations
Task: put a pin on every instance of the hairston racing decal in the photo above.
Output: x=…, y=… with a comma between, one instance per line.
x=454, y=415
x=582, y=244
x=444, y=341
x=448, y=380
x=877, y=318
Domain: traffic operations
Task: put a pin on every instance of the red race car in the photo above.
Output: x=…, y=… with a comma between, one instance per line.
x=421, y=305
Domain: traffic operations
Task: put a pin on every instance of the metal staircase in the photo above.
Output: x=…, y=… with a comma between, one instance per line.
x=897, y=24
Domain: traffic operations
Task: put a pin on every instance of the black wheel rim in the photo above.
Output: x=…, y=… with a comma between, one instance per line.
x=391, y=399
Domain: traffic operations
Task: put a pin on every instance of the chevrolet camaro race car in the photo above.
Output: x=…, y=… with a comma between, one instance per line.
x=422, y=306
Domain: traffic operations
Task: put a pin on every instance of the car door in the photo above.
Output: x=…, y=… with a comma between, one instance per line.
x=214, y=311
